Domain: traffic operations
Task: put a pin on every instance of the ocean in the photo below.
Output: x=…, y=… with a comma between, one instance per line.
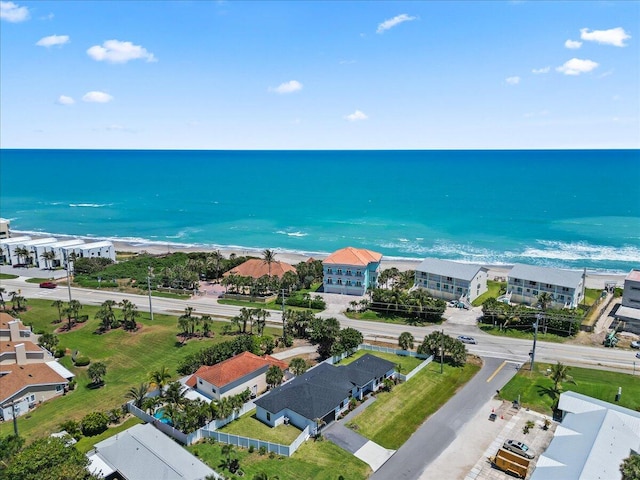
x=567, y=208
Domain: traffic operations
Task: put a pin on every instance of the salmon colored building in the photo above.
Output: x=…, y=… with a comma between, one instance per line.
x=258, y=268
x=351, y=271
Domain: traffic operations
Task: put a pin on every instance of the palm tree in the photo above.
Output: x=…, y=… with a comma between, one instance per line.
x=48, y=256
x=75, y=307
x=129, y=314
x=274, y=376
x=58, y=304
x=261, y=322
x=560, y=374
x=97, y=371
x=298, y=366
x=405, y=341
x=23, y=254
x=159, y=378
x=245, y=317
x=137, y=394
x=544, y=300
x=175, y=393
x=630, y=467
x=206, y=322
x=268, y=257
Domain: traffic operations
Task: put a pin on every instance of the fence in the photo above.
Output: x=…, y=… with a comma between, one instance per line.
x=246, y=442
x=215, y=424
x=163, y=427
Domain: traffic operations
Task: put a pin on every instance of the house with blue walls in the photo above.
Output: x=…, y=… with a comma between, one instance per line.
x=351, y=271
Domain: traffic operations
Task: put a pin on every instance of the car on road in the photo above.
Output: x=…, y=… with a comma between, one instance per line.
x=519, y=448
x=48, y=285
x=635, y=344
x=638, y=355
x=465, y=339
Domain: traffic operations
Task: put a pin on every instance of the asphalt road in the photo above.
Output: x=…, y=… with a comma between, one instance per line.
x=441, y=428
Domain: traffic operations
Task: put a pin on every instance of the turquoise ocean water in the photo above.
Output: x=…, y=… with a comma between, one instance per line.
x=569, y=209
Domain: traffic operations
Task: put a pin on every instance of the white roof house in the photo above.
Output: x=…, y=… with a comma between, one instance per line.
x=591, y=442
x=29, y=245
x=104, y=249
x=526, y=282
x=143, y=452
x=451, y=280
x=58, y=248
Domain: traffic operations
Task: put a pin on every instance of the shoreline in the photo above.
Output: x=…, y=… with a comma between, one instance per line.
x=594, y=279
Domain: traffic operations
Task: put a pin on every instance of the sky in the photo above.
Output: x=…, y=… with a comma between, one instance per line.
x=229, y=75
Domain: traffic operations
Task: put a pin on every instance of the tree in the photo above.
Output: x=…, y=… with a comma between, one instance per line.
x=268, y=257
x=23, y=254
x=96, y=372
x=94, y=423
x=630, y=467
x=324, y=333
x=106, y=315
x=437, y=343
x=274, y=376
x=59, y=304
x=264, y=476
x=48, y=458
x=175, y=394
x=298, y=366
x=405, y=341
x=159, y=378
x=48, y=256
x=9, y=447
x=129, y=314
x=348, y=339
x=48, y=341
x=206, y=322
x=137, y=394
x=544, y=300
x=560, y=374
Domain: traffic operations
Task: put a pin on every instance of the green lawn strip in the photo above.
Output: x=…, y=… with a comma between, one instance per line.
x=7, y=276
x=383, y=318
x=534, y=388
x=86, y=443
x=407, y=363
x=249, y=426
x=129, y=358
x=37, y=280
x=396, y=415
x=525, y=334
x=313, y=460
x=267, y=306
x=177, y=296
x=591, y=295
x=493, y=291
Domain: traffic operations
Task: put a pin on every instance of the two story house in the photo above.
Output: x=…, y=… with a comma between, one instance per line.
x=451, y=280
x=525, y=283
x=351, y=271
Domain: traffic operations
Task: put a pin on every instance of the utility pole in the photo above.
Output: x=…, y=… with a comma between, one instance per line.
x=442, y=353
x=15, y=417
x=69, y=275
x=149, y=269
x=283, y=320
x=535, y=338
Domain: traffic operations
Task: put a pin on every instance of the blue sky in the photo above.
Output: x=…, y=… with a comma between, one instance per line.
x=319, y=75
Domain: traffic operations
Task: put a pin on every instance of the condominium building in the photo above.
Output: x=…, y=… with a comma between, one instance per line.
x=525, y=283
x=451, y=280
x=351, y=271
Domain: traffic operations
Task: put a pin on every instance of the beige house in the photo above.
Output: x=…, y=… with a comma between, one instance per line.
x=451, y=280
x=234, y=375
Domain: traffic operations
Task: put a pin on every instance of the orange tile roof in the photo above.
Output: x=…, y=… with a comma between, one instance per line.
x=7, y=346
x=256, y=268
x=232, y=369
x=17, y=377
x=5, y=318
x=353, y=256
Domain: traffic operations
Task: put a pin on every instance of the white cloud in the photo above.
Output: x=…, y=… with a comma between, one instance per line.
x=11, y=12
x=64, y=100
x=356, y=116
x=538, y=71
x=573, y=44
x=115, y=51
x=576, y=66
x=97, y=97
x=613, y=36
x=287, y=87
x=52, y=40
x=512, y=80
x=392, y=22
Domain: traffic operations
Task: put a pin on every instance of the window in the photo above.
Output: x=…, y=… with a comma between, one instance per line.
x=348, y=273
x=339, y=282
x=449, y=279
x=348, y=283
x=268, y=417
x=330, y=281
x=358, y=273
x=200, y=381
x=535, y=292
x=459, y=289
x=213, y=389
x=339, y=271
x=329, y=271
x=58, y=388
x=446, y=286
x=358, y=283
x=437, y=285
x=342, y=404
x=519, y=289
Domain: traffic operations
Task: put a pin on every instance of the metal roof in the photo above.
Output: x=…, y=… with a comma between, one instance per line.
x=552, y=276
x=591, y=442
x=447, y=268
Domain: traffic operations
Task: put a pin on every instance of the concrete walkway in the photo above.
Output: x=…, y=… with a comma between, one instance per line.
x=294, y=352
x=363, y=448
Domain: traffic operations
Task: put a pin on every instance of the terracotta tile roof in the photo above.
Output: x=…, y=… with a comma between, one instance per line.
x=256, y=268
x=7, y=346
x=17, y=377
x=353, y=256
x=233, y=368
x=5, y=318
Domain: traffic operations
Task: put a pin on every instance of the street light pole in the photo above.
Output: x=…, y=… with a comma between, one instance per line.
x=442, y=352
x=149, y=285
x=69, y=275
x=535, y=338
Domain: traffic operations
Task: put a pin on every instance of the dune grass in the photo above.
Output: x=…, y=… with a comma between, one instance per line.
x=396, y=415
x=536, y=389
x=317, y=460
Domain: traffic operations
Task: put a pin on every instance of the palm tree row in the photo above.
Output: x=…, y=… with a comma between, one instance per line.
x=417, y=305
x=253, y=317
x=108, y=316
x=188, y=323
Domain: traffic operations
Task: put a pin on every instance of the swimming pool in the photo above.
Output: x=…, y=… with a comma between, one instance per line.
x=160, y=415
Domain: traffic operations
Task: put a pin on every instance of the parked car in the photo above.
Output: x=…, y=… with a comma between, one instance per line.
x=465, y=339
x=638, y=355
x=453, y=303
x=635, y=344
x=48, y=285
x=519, y=448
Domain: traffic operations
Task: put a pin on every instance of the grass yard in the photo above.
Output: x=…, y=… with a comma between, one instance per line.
x=372, y=316
x=535, y=391
x=273, y=305
x=526, y=334
x=493, y=291
x=129, y=358
x=7, y=276
x=86, y=443
x=396, y=415
x=249, y=426
x=314, y=460
x=407, y=363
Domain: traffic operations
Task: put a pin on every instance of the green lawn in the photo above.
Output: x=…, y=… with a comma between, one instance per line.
x=267, y=306
x=493, y=291
x=407, y=363
x=37, y=280
x=249, y=426
x=86, y=443
x=396, y=415
x=313, y=460
x=526, y=334
x=129, y=358
x=535, y=393
x=7, y=276
x=372, y=316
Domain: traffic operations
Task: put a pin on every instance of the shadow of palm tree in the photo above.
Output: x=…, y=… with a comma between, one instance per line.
x=550, y=391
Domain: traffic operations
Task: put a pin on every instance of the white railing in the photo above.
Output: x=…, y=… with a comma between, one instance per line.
x=246, y=442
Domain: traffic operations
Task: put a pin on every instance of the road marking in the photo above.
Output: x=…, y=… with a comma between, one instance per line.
x=496, y=372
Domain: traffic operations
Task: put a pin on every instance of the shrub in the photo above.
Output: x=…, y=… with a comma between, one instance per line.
x=72, y=428
x=72, y=384
x=94, y=423
x=60, y=352
x=262, y=450
x=272, y=455
x=82, y=361
x=251, y=448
